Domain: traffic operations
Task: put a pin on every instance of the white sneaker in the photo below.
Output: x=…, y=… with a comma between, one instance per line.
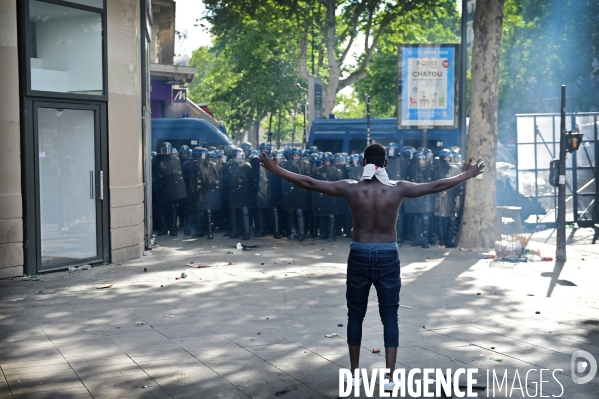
x=388, y=383
x=351, y=380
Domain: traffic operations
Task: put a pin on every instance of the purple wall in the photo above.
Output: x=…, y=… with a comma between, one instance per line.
x=161, y=91
x=161, y=94
x=157, y=109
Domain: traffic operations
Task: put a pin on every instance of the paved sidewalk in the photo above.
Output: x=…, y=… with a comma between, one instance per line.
x=256, y=326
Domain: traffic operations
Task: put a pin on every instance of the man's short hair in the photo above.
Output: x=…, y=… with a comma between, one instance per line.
x=376, y=154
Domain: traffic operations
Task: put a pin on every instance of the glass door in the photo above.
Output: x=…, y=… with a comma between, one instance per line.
x=70, y=184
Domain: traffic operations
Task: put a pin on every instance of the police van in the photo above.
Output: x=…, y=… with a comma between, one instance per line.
x=188, y=131
x=349, y=135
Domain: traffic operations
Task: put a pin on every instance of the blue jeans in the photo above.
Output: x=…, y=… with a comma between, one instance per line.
x=381, y=268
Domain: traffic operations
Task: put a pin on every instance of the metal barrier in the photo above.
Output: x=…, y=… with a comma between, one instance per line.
x=538, y=138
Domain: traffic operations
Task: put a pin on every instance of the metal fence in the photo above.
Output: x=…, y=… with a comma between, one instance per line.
x=538, y=137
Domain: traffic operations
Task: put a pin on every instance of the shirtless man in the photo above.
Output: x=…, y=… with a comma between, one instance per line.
x=373, y=257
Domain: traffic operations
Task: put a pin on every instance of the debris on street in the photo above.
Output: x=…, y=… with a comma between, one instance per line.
x=102, y=286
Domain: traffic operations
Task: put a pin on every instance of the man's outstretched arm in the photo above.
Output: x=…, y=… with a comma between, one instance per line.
x=413, y=190
x=332, y=188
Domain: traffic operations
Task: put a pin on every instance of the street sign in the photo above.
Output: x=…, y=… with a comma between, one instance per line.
x=180, y=95
x=427, y=89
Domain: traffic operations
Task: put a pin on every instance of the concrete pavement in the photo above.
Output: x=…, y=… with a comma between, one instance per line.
x=257, y=326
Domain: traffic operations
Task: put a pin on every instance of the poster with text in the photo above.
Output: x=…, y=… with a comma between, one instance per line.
x=427, y=86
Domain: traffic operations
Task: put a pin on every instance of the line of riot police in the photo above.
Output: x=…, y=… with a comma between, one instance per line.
x=201, y=190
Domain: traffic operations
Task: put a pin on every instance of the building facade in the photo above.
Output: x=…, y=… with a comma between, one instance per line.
x=75, y=122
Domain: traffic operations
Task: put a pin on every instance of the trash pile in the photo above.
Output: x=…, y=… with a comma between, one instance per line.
x=511, y=250
x=514, y=249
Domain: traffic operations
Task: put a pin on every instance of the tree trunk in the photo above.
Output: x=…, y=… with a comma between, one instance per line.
x=478, y=223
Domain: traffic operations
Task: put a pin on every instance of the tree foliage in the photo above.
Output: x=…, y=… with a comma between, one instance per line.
x=321, y=34
x=547, y=43
x=438, y=25
x=248, y=78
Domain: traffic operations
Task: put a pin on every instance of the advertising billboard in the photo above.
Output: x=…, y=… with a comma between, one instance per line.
x=427, y=86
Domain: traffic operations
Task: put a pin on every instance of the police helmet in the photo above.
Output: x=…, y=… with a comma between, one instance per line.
x=254, y=154
x=238, y=153
x=306, y=154
x=166, y=148
x=393, y=151
x=214, y=154
x=456, y=157
x=295, y=151
x=184, y=150
x=315, y=160
x=246, y=146
x=199, y=153
x=327, y=156
x=419, y=158
x=313, y=149
x=340, y=158
x=287, y=153
x=445, y=153
x=428, y=153
x=354, y=159
x=154, y=153
x=407, y=152
x=228, y=151
x=265, y=146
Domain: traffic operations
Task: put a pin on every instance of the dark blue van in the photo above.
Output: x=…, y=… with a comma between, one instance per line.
x=349, y=135
x=187, y=131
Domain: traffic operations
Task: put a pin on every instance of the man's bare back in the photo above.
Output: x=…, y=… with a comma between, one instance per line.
x=374, y=206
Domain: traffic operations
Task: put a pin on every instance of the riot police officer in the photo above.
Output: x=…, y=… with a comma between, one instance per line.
x=446, y=201
x=243, y=192
x=170, y=187
x=247, y=149
x=355, y=168
x=324, y=206
x=193, y=175
x=269, y=199
x=394, y=171
x=422, y=208
x=295, y=199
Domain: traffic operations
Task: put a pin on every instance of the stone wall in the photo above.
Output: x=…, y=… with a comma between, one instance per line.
x=11, y=203
x=125, y=130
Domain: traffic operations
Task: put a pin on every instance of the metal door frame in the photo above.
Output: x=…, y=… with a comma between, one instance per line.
x=31, y=214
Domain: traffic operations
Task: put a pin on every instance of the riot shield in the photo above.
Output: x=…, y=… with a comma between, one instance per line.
x=445, y=203
x=269, y=190
x=212, y=184
x=194, y=184
x=294, y=197
x=323, y=204
x=168, y=178
x=424, y=204
x=394, y=168
x=355, y=172
x=243, y=189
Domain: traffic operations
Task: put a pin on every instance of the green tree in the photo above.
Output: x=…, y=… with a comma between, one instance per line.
x=246, y=79
x=438, y=25
x=478, y=221
x=327, y=29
